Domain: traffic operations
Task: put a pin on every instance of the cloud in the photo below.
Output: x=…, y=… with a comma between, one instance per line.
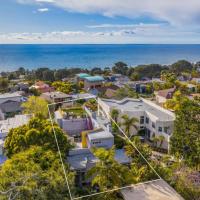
x=140, y=25
x=173, y=11
x=45, y=1
x=139, y=34
x=42, y=9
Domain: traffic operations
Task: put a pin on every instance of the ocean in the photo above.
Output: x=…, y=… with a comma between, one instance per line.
x=55, y=56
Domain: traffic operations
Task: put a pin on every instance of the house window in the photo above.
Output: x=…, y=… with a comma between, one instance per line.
x=96, y=142
x=166, y=129
x=147, y=120
x=142, y=120
x=160, y=129
x=153, y=125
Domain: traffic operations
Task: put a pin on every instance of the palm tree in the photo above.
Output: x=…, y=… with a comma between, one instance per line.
x=108, y=173
x=161, y=139
x=128, y=123
x=114, y=114
x=155, y=140
x=142, y=147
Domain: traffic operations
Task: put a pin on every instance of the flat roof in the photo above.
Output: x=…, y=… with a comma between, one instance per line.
x=82, y=75
x=57, y=94
x=154, y=190
x=94, y=78
x=83, y=96
x=102, y=134
x=10, y=95
x=129, y=105
x=80, y=160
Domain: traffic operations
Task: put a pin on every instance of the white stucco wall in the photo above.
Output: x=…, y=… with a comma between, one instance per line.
x=74, y=126
x=106, y=143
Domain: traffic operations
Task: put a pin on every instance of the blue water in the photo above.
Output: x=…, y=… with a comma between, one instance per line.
x=88, y=56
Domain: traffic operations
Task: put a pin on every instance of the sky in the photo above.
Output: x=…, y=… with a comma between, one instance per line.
x=100, y=21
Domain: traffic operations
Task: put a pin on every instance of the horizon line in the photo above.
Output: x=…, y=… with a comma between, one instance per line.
x=99, y=43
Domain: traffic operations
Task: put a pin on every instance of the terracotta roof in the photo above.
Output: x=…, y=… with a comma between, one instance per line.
x=166, y=93
x=41, y=84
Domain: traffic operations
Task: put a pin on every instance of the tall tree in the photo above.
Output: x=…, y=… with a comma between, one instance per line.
x=115, y=114
x=181, y=66
x=36, y=106
x=152, y=70
x=120, y=68
x=128, y=123
x=185, y=140
x=4, y=83
x=108, y=173
x=48, y=75
x=139, y=168
x=65, y=87
x=34, y=174
x=37, y=132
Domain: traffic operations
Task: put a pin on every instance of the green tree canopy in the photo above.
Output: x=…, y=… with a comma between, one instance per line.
x=36, y=106
x=48, y=75
x=125, y=91
x=152, y=70
x=181, y=66
x=185, y=140
x=4, y=83
x=108, y=173
x=35, y=174
x=168, y=76
x=127, y=123
x=36, y=132
x=65, y=87
x=120, y=68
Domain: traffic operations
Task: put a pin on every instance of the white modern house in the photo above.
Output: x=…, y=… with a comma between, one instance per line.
x=100, y=138
x=154, y=119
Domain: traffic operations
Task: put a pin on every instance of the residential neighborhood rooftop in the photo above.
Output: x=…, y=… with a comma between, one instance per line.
x=81, y=158
x=82, y=75
x=128, y=105
x=165, y=93
x=56, y=94
x=83, y=96
x=155, y=190
x=10, y=95
x=94, y=78
x=102, y=134
x=18, y=120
